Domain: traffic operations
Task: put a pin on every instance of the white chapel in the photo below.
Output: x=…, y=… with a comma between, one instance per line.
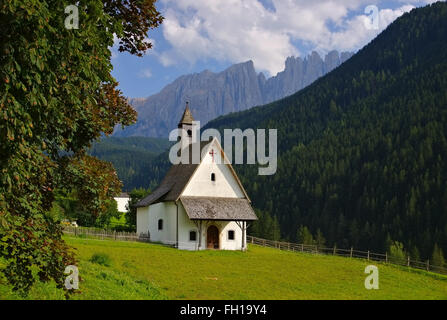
x=198, y=206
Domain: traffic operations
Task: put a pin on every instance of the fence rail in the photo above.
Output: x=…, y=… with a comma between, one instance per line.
x=351, y=253
x=105, y=234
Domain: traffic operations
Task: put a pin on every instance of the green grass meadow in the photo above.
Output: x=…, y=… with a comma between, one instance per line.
x=130, y=270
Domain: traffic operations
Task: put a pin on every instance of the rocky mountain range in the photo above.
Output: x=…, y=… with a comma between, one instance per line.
x=237, y=88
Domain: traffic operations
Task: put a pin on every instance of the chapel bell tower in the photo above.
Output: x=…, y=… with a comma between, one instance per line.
x=186, y=123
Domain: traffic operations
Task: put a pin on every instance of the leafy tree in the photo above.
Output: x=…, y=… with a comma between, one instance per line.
x=72, y=208
x=57, y=95
x=111, y=211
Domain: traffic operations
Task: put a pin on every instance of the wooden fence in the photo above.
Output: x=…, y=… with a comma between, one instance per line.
x=350, y=253
x=97, y=233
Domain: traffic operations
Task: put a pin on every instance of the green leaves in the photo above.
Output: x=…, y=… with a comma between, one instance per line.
x=57, y=95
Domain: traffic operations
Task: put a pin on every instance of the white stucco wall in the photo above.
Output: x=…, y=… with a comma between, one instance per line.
x=147, y=220
x=227, y=244
x=122, y=203
x=142, y=220
x=225, y=185
x=167, y=212
x=186, y=225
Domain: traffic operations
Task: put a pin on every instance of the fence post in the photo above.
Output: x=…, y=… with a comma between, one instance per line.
x=386, y=257
x=252, y=240
x=334, y=250
x=302, y=247
x=76, y=233
x=428, y=264
x=368, y=255
x=408, y=261
x=351, y=251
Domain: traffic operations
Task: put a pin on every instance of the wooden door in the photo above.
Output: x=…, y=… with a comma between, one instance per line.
x=212, y=238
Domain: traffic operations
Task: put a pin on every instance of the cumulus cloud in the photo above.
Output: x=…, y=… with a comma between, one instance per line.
x=266, y=31
x=419, y=1
x=225, y=30
x=358, y=30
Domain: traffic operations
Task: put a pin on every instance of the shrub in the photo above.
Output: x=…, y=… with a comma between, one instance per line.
x=397, y=252
x=102, y=259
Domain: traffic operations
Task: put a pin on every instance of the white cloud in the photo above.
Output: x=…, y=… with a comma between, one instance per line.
x=241, y=30
x=228, y=30
x=356, y=33
x=145, y=73
x=423, y=2
x=114, y=48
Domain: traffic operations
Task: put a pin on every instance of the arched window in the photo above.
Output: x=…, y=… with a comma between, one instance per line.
x=192, y=235
x=213, y=177
x=160, y=224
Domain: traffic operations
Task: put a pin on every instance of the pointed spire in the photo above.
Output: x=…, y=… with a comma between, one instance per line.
x=187, y=116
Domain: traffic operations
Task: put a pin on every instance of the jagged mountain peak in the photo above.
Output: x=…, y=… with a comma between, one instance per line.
x=236, y=88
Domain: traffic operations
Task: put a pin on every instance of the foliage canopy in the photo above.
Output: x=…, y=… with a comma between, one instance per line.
x=57, y=95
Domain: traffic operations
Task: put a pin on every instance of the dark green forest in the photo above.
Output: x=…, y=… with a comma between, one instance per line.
x=132, y=158
x=361, y=152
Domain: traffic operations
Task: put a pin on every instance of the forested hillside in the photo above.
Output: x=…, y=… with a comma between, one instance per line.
x=131, y=157
x=362, y=151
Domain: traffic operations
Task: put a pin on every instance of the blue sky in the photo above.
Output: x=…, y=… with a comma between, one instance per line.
x=214, y=34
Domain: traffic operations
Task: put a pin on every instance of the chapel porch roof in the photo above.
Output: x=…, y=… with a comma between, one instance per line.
x=218, y=208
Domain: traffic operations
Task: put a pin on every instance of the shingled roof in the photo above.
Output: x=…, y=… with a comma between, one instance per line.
x=187, y=116
x=214, y=208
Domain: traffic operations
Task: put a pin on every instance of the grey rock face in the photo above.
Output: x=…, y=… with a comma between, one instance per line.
x=234, y=89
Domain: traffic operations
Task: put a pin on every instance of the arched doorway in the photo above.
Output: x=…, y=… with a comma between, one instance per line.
x=212, y=237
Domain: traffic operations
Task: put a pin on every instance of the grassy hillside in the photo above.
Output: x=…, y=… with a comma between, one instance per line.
x=150, y=271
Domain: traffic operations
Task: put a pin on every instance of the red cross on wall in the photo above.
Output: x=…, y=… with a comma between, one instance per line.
x=212, y=153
